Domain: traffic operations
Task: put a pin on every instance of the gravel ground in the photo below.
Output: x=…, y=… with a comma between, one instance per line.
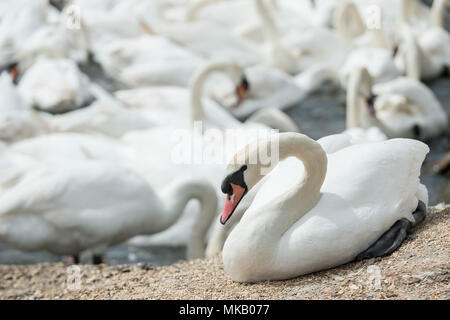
x=418, y=270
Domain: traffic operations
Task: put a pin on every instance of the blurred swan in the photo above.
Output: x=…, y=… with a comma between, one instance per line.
x=63, y=88
x=179, y=106
x=426, y=36
x=217, y=43
x=270, y=88
x=17, y=119
x=18, y=21
x=403, y=107
x=148, y=60
x=373, y=52
x=106, y=116
x=93, y=205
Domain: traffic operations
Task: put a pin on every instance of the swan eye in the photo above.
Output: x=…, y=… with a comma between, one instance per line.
x=244, y=83
x=416, y=130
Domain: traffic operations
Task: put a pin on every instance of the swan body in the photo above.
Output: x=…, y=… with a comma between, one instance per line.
x=315, y=218
x=403, y=107
x=106, y=116
x=17, y=119
x=63, y=88
x=89, y=205
x=148, y=60
x=171, y=105
x=426, y=26
x=404, y=103
x=378, y=61
x=216, y=44
x=18, y=22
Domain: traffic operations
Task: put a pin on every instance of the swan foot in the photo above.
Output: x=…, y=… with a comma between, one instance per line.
x=394, y=237
x=97, y=259
x=420, y=213
x=388, y=242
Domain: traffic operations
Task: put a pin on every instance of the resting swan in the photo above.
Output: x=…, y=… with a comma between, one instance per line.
x=63, y=88
x=160, y=104
x=17, y=119
x=92, y=205
x=429, y=35
x=403, y=107
x=305, y=221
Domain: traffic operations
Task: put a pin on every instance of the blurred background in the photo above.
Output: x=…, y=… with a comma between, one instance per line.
x=62, y=57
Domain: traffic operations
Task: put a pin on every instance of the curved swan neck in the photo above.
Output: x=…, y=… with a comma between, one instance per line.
x=197, y=83
x=305, y=194
x=175, y=199
x=437, y=13
x=314, y=160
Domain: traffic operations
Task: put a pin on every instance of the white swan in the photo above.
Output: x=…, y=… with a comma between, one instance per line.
x=17, y=119
x=148, y=60
x=93, y=205
x=330, y=144
x=403, y=107
x=63, y=88
x=179, y=106
x=429, y=34
x=217, y=43
x=305, y=221
x=267, y=88
x=18, y=21
x=106, y=116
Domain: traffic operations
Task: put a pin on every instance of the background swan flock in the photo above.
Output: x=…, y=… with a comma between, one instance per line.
x=92, y=94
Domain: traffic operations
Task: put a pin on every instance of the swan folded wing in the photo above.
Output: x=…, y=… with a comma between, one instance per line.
x=367, y=188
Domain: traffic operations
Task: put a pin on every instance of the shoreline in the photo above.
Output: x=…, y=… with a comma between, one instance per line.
x=419, y=269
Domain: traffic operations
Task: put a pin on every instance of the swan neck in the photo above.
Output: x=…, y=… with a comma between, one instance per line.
x=305, y=194
x=314, y=160
x=352, y=117
x=410, y=54
x=197, y=83
x=437, y=13
x=177, y=196
x=266, y=20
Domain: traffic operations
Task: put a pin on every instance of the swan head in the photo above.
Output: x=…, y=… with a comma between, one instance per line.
x=235, y=187
x=242, y=88
x=246, y=169
x=13, y=70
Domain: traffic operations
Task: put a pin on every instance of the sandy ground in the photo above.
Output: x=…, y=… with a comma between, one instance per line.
x=418, y=270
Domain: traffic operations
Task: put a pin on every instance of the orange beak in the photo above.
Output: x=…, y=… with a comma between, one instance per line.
x=231, y=202
x=14, y=73
x=240, y=92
